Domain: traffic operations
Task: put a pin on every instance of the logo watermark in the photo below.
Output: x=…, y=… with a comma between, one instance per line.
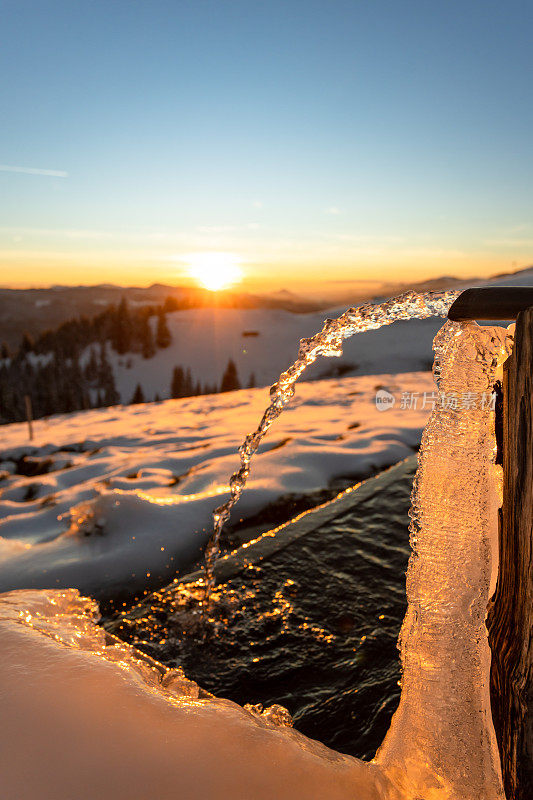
x=430, y=401
x=384, y=400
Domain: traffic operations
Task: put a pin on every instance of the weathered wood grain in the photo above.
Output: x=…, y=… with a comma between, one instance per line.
x=510, y=616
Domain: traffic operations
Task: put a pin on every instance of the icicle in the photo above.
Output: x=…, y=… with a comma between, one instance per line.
x=441, y=742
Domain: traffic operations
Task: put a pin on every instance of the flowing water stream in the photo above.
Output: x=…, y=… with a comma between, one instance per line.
x=327, y=342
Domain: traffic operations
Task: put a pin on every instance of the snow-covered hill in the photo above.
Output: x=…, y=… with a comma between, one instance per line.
x=205, y=339
x=265, y=342
x=125, y=494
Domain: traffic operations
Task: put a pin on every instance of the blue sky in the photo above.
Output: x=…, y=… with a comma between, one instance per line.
x=371, y=139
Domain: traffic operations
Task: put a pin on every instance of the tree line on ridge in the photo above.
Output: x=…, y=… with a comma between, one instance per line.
x=68, y=369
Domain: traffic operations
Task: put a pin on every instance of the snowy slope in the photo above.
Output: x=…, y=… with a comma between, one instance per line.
x=204, y=339
x=129, y=493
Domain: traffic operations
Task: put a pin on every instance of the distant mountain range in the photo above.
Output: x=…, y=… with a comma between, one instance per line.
x=33, y=311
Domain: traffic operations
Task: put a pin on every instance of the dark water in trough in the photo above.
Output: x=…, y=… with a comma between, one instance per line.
x=312, y=627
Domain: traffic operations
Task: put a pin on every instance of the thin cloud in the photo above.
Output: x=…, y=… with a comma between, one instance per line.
x=510, y=242
x=216, y=228
x=249, y=226
x=69, y=233
x=333, y=210
x=51, y=173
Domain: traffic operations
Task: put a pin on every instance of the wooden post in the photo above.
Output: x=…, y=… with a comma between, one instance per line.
x=29, y=414
x=510, y=617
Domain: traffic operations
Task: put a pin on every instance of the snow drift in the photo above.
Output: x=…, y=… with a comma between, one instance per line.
x=85, y=717
x=127, y=495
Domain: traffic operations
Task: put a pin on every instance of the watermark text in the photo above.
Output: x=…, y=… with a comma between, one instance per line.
x=431, y=401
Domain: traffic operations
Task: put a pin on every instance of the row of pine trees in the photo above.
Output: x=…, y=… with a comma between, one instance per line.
x=55, y=385
x=126, y=330
x=183, y=384
x=51, y=371
x=58, y=386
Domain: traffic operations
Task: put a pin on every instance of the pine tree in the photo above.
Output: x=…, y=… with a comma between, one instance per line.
x=68, y=398
x=163, y=337
x=77, y=381
x=230, y=379
x=91, y=368
x=188, y=388
x=49, y=387
x=177, y=383
x=157, y=398
x=121, y=328
x=111, y=396
x=251, y=381
x=104, y=367
x=4, y=351
x=138, y=395
x=26, y=345
x=147, y=338
x=106, y=379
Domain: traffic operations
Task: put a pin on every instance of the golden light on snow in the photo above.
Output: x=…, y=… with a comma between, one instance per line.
x=214, y=270
x=175, y=499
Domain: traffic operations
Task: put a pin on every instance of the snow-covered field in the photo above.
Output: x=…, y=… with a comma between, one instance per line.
x=204, y=339
x=127, y=495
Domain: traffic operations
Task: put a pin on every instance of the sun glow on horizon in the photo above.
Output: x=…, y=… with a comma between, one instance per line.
x=214, y=270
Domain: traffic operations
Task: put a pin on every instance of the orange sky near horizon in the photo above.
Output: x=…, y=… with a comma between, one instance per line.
x=302, y=272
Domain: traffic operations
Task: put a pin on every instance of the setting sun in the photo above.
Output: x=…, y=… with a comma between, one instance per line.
x=214, y=271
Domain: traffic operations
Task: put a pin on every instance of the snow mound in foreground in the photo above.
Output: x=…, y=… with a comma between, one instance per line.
x=86, y=716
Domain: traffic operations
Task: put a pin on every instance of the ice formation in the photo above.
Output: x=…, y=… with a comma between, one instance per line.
x=126, y=727
x=85, y=716
x=441, y=742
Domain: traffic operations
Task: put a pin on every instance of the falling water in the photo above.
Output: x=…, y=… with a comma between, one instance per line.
x=328, y=342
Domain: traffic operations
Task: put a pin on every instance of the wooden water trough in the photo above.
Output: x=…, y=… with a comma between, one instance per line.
x=510, y=612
